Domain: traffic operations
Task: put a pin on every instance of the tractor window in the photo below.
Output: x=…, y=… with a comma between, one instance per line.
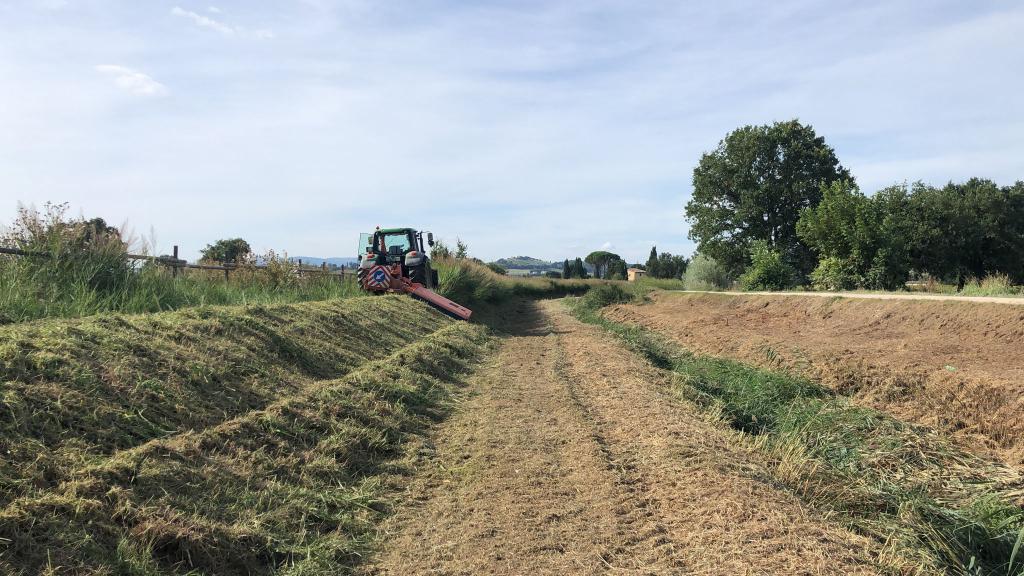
x=400, y=240
x=364, y=244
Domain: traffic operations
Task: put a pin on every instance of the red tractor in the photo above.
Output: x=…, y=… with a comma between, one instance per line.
x=394, y=260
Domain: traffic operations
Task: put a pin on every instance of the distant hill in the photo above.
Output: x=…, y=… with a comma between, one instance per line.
x=527, y=263
x=335, y=261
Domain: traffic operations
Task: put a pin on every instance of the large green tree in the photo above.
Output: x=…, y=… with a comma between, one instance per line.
x=862, y=241
x=969, y=230
x=754, y=187
x=230, y=250
x=670, y=266
x=600, y=259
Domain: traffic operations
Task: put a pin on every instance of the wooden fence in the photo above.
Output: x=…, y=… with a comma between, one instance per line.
x=176, y=264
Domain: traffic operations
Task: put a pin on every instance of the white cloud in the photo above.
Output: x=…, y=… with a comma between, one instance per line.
x=203, y=21
x=132, y=80
x=225, y=29
x=607, y=246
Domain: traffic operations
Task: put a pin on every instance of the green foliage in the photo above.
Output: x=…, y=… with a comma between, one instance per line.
x=767, y=270
x=231, y=250
x=833, y=274
x=705, y=273
x=653, y=270
x=566, y=270
x=968, y=230
x=440, y=251
x=497, y=268
x=461, y=249
x=665, y=265
x=579, y=270
x=992, y=285
x=526, y=263
x=616, y=269
x=862, y=241
x=670, y=266
x=605, y=295
x=754, y=186
x=954, y=233
x=600, y=259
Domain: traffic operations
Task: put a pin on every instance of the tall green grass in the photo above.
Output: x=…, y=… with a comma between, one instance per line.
x=939, y=509
x=79, y=268
x=469, y=282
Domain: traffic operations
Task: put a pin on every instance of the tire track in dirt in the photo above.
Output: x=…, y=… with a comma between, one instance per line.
x=570, y=457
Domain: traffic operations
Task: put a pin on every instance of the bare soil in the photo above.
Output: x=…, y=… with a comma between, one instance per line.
x=954, y=366
x=571, y=456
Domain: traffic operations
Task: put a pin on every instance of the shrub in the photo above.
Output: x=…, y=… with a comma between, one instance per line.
x=605, y=295
x=767, y=270
x=705, y=273
x=834, y=274
x=992, y=285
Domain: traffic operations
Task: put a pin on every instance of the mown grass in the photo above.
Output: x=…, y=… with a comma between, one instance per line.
x=216, y=441
x=934, y=507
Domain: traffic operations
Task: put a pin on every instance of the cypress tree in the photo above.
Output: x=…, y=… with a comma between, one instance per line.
x=579, y=270
x=566, y=271
x=653, y=269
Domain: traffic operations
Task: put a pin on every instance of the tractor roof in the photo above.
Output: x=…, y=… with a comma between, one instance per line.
x=396, y=230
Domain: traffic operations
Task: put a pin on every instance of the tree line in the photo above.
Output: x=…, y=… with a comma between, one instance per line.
x=773, y=207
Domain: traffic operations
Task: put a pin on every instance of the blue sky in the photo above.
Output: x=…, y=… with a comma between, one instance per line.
x=543, y=128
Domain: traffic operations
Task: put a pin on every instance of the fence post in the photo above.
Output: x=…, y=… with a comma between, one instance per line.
x=174, y=267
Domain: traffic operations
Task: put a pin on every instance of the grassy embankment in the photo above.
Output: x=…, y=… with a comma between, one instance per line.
x=937, y=509
x=228, y=440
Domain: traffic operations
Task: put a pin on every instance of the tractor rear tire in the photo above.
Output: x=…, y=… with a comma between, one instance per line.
x=420, y=274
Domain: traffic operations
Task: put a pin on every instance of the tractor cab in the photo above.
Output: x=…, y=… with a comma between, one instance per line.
x=391, y=245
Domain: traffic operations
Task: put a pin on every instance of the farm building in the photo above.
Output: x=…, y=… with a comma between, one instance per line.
x=633, y=273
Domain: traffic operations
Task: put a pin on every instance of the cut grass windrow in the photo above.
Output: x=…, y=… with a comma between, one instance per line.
x=296, y=487
x=75, y=390
x=937, y=508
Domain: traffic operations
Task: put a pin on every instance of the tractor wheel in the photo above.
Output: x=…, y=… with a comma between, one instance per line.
x=420, y=275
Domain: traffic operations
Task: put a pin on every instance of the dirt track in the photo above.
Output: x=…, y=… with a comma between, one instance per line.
x=571, y=457
x=955, y=366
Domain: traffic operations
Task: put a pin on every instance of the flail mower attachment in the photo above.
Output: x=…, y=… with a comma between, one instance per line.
x=385, y=278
